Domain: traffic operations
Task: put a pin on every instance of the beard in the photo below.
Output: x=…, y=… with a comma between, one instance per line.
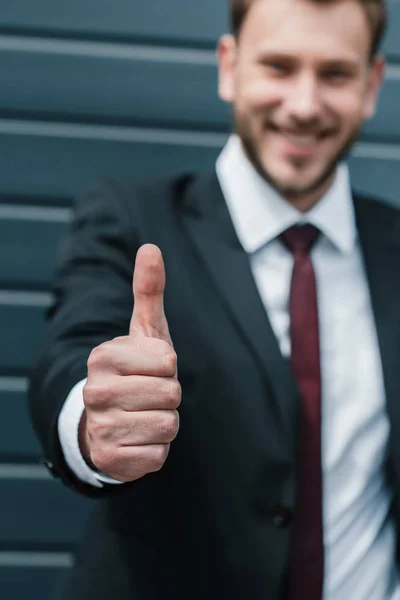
x=244, y=131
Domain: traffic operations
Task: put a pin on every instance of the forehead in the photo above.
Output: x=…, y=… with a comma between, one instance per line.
x=329, y=30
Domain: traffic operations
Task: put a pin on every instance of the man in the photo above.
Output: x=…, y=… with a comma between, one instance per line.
x=281, y=329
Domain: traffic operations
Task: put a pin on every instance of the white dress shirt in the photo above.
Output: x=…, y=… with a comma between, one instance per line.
x=359, y=536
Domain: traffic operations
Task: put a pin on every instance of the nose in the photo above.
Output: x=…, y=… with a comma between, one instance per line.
x=303, y=101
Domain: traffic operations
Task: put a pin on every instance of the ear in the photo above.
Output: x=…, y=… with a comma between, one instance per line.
x=226, y=52
x=375, y=80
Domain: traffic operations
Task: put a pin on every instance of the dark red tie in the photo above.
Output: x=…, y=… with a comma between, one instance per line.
x=306, y=556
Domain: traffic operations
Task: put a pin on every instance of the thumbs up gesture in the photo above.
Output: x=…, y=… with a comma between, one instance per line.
x=132, y=392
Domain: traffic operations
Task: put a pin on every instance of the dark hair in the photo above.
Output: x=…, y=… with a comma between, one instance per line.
x=375, y=11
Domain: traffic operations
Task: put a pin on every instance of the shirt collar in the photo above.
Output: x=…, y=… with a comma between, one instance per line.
x=260, y=214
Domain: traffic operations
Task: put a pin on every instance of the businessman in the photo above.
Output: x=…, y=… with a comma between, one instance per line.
x=237, y=413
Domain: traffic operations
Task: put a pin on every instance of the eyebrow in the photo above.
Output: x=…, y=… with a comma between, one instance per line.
x=342, y=64
x=289, y=58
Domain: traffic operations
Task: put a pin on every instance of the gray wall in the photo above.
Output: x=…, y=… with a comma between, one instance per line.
x=90, y=88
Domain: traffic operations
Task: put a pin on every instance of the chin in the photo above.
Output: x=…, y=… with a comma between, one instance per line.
x=290, y=186
x=295, y=183
x=301, y=176
x=289, y=178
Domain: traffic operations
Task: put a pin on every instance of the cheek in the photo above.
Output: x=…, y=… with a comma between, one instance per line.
x=347, y=106
x=259, y=93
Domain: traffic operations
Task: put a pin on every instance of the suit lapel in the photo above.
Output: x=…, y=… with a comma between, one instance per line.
x=379, y=234
x=209, y=225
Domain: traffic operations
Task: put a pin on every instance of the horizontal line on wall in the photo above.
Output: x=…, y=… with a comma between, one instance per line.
x=112, y=133
x=104, y=36
x=19, y=212
x=159, y=136
x=35, y=200
x=13, y=384
x=377, y=151
x=25, y=298
x=15, y=471
x=36, y=559
x=165, y=54
x=392, y=72
x=124, y=51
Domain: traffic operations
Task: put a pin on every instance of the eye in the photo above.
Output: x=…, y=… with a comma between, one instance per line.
x=277, y=68
x=335, y=75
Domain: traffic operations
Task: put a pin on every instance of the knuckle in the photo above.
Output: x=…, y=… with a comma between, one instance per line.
x=97, y=356
x=103, y=458
x=108, y=356
x=170, y=362
x=175, y=393
x=95, y=395
x=169, y=424
x=89, y=395
x=97, y=430
x=159, y=456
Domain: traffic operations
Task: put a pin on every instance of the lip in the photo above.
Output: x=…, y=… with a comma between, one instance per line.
x=299, y=145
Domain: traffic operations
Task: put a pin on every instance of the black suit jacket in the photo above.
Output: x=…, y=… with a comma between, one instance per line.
x=216, y=521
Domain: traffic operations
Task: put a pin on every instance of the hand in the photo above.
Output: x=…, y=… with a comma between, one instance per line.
x=132, y=392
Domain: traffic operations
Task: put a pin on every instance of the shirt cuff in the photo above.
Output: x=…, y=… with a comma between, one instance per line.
x=68, y=427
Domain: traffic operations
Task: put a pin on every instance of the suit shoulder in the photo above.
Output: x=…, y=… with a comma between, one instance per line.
x=377, y=208
x=155, y=192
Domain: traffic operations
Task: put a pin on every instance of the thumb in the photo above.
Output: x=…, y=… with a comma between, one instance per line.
x=148, y=318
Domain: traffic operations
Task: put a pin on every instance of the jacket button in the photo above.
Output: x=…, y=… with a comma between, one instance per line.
x=281, y=516
x=50, y=467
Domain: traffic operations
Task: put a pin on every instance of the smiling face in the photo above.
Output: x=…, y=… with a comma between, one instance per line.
x=301, y=83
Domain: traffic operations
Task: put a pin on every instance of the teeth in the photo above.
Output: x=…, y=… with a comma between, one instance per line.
x=303, y=141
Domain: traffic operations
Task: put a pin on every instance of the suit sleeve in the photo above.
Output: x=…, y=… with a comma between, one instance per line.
x=92, y=303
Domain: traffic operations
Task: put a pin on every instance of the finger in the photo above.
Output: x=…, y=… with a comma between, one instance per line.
x=148, y=318
x=134, y=393
x=118, y=428
x=132, y=356
x=129, y=463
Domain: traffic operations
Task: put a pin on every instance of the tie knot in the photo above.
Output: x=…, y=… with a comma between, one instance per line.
x=300, y=238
